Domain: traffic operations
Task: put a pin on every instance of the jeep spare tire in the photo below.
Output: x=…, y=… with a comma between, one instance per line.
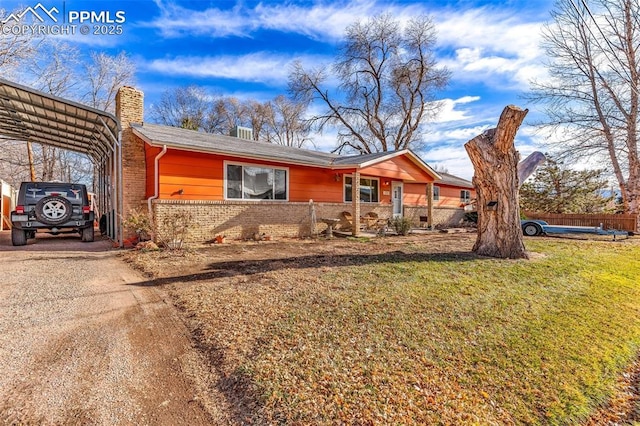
x=53, y=210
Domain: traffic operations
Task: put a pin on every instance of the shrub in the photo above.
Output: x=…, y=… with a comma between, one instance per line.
x=471, y=217
x=138, y=222
x=402, y=225
x=174, y=229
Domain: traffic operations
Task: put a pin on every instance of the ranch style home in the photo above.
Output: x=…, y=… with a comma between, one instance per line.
x=237, y=187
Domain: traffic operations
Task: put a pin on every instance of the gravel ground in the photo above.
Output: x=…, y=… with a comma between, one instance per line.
x=84, y=341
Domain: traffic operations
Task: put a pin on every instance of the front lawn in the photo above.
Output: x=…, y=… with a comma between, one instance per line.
x=400, y=333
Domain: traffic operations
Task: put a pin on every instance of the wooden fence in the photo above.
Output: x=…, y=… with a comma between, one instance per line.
x=625, y=222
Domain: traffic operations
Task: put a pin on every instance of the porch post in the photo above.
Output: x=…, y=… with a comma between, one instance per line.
x=355, y=203
x=430, y=205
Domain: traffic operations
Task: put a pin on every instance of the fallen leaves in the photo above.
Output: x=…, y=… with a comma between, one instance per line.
x=422, y=333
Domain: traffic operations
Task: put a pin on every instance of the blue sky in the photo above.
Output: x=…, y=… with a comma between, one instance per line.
x=244, y=49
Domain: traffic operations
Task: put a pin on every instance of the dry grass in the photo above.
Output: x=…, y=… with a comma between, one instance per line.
x=414, y=331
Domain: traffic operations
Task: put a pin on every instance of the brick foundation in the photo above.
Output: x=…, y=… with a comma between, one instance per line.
x=241, y=220
x=442, y=216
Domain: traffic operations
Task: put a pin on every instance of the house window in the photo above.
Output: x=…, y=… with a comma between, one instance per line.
x=368, y=189
x=244, y=182
x=465, y=196
x=436, y=193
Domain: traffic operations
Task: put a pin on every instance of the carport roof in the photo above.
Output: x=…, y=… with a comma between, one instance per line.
x=29, y=115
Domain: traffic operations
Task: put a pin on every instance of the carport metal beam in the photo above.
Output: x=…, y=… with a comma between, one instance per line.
x=29, y=115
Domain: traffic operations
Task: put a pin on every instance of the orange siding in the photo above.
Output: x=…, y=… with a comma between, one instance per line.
x=416, y=194
x=200, y=176
x=314, y=183
x=450, y=196
x=385, y=191
x=398, y=168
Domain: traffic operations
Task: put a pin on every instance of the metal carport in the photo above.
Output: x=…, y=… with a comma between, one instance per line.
x=29, y=115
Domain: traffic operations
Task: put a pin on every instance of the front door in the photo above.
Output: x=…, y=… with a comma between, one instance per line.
x=396, y=198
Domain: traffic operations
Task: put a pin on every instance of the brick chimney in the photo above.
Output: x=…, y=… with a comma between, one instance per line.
x=129, y=106
x=130, y=109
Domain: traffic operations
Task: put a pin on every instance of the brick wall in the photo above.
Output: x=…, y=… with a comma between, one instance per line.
x=442, y=216
x=241, y=219
x=130, y=109
x=238, y=219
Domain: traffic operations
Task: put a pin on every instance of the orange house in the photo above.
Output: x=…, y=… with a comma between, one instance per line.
x=453, y=192
x=238, y=187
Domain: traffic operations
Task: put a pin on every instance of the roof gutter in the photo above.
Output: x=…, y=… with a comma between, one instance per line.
x=156, y=180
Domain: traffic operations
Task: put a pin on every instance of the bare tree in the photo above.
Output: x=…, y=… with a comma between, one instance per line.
x=194, y=108
x=15, y=48
x=592, y=98
x=182, y=107
x=280, y=121
x=285, y=122
x=14, y=164
x=54, y=69
x=259, y=115
x=440, y=168
x=229, y=112
x=388, y=76
x=105, y=74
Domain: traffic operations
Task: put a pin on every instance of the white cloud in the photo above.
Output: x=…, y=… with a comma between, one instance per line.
x=448, y=111
x=460, y=133
x=452, y=158
x=264, y=67
x=490, y=29
x=491, y=46
x=319, y=21
x=494, y=46
x=325, y=141
x=176, y=21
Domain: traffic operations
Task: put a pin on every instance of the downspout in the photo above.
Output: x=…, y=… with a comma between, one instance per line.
x=156, y=182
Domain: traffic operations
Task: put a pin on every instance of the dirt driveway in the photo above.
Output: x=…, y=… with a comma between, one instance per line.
x=81, y=343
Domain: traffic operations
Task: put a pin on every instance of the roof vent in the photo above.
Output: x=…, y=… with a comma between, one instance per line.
x=242, y=133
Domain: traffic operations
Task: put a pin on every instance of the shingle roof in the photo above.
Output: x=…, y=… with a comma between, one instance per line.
x=175, y=137
x=362, y=158
x=179, y=138
x=449, y=179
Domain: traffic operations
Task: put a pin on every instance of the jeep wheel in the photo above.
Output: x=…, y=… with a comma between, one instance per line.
x=53, y=210
x=87, y=234
x=18, y=237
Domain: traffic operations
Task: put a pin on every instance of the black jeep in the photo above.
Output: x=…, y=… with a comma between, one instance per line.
x=54, y=207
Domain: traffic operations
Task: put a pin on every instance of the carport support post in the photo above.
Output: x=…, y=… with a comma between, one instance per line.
x=32, y=166
x=355, y=203
x=430, y=205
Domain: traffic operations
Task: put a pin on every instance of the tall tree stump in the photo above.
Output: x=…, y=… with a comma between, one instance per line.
x=495, y=161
